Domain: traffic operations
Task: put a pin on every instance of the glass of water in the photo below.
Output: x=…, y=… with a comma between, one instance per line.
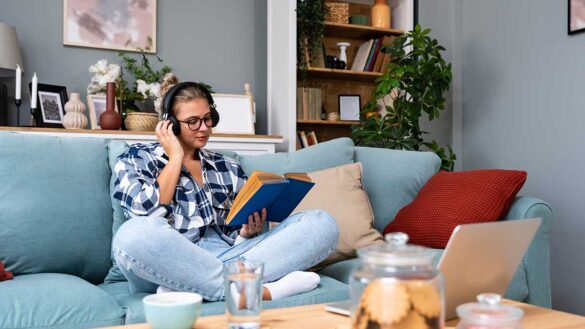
x=243, y=293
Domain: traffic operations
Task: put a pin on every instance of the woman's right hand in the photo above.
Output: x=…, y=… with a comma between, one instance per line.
x=168, y=140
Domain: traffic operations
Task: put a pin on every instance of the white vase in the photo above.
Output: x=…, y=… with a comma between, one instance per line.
x=74, y=117
x=342, y=54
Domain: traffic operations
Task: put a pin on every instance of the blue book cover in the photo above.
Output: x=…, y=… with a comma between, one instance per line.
x=279, y=198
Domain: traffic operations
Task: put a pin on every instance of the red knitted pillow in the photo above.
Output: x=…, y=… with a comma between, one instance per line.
x=452, y=198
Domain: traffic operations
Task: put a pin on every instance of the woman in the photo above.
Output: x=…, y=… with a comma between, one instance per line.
x=176, y=195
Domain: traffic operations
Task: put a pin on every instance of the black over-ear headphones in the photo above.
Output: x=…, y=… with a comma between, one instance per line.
x=169, y=99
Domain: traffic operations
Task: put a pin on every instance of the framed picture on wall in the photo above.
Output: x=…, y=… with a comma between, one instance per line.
x=96, y=105
x=122, y=24
x=51, y=101
x=576, y=16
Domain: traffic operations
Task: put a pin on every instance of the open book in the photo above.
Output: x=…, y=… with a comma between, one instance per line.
x=280, y=195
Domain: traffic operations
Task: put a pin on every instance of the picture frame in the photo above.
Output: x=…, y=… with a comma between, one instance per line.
x=96, y=105
x=349, y=107
x=236, y=114
x=576, y=16
x=50, y=109
x=121, y=25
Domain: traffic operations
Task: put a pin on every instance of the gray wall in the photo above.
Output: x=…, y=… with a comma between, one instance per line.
x=523, y=102
x=437, y=15
x=220, y=42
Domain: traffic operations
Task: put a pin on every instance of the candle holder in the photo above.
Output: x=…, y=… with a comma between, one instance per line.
x=17, y=102
x=33, y=112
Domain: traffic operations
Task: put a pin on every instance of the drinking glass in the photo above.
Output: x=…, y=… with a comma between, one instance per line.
x=243, y=293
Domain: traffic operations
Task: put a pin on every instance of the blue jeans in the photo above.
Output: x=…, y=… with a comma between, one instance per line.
x=150, y=253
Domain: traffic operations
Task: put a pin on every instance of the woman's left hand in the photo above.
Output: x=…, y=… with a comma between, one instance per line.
x=254, y=226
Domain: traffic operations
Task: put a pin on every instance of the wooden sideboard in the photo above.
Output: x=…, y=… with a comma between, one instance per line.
x=241, y=144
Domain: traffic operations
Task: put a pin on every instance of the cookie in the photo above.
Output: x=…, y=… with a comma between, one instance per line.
x=425, y=298
x=412, y=321
x=385, y=302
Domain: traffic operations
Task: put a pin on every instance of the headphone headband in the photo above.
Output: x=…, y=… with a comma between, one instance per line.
x=169, y=98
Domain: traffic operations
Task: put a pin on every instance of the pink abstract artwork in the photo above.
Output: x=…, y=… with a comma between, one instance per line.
x=576, y=16
x=110, y=24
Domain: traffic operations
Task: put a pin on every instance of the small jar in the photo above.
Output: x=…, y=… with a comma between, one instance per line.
x=396, y=286
x=488, y=313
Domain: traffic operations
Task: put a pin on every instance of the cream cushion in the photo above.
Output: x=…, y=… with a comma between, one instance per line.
x=340, y=192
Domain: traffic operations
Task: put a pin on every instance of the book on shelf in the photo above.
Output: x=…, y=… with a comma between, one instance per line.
x=279, y=194
x=362, y=55
x=372, y=56
x=312, y=138
x=309, y=103
x=303, y=139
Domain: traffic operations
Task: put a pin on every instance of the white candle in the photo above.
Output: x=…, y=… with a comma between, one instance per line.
x=35, y=81
x=18, y=76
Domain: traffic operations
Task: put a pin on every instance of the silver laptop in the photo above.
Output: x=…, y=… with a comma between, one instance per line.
x=478, y=258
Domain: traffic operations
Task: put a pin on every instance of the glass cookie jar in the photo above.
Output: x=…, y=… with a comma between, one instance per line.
x=488, y=313
x=396, y=286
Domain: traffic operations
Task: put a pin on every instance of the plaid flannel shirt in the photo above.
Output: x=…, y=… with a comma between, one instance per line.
x=194, y=208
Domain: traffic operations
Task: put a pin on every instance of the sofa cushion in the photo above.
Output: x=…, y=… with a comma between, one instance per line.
x=453, y=198
x=329, y=290
x=329, y=154
x=115, y=148
x=131, y=303
x=55, y=205
x=393, y=178
x=56, y=301
x=339, y=191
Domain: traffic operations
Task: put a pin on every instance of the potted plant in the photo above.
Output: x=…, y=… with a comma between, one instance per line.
x=415, y=83
x=310, y=27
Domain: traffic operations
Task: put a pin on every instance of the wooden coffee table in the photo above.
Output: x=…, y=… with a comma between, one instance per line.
x=315, y=316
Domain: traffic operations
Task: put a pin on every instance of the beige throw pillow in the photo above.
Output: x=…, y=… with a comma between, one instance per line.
x=340, y=192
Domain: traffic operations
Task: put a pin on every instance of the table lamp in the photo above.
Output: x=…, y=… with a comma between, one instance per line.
x=10, y=57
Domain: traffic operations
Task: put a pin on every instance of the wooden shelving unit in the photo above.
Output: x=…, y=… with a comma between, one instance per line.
x=324, y=73
x=357, y=31
x=326, y=122
x=336, y=82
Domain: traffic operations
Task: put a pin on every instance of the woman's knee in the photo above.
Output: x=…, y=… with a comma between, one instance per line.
x=323, y=223
x=135, y=231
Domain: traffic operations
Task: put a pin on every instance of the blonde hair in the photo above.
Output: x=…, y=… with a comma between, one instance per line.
x=184, y=95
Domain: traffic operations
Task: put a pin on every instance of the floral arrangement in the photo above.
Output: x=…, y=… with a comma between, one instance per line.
x=146, y=84
x=102, y=74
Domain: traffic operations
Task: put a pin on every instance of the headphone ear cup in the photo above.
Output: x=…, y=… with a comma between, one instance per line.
x=214, y=117
x=176, y=125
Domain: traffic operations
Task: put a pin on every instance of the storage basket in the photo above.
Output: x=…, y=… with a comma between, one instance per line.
x=141, y=121
x=338, y=12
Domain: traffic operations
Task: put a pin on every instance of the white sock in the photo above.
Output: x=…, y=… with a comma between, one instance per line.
x=293, y=283
x=162, y=290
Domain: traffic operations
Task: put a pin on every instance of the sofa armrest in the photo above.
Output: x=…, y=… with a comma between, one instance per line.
x=537, y=258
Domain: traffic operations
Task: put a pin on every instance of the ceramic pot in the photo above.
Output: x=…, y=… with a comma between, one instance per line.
x=74, y=117
x=381, y=14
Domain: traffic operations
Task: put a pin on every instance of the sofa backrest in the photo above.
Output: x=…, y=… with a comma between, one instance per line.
x=55, y=208
x=393, y=178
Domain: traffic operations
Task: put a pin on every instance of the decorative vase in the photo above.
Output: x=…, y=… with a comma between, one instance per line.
x=74, y=117
x=381, y=14
x=110, y=119
x=342, y=54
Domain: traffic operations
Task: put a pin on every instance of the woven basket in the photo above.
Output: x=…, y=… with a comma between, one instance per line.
x=338, y=12
x=141, y=121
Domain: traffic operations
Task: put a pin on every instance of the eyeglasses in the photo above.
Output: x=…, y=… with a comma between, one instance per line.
x=195, y=123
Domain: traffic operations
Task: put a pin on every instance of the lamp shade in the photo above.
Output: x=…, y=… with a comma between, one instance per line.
x=9, y=51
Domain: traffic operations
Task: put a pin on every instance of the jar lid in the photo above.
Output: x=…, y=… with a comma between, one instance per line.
x=488, y=310
x=396, y=252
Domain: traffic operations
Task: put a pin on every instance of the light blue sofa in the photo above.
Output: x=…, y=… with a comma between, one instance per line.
x=57, y=220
